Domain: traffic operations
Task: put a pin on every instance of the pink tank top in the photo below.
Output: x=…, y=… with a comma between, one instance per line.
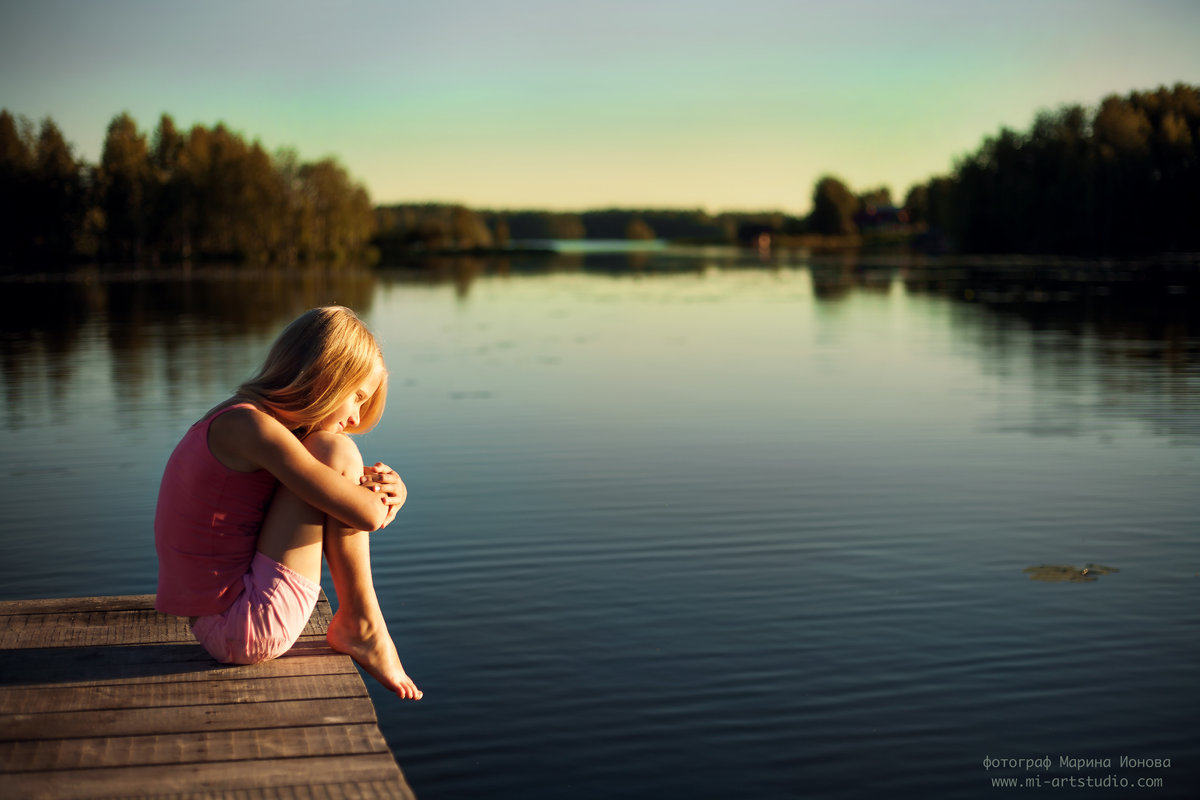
x=206, y=526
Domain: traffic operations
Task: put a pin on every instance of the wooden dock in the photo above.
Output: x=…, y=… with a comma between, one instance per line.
x=104, y=697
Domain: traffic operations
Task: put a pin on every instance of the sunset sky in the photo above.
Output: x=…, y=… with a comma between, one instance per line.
x=720, y=104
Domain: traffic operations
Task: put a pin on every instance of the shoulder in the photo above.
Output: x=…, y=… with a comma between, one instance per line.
x=335, y=449
x=240, y=435
x=244, y=419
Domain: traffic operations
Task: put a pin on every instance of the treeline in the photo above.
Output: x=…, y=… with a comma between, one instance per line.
x=176, y=195
x=434, y=226
x=1121, y=178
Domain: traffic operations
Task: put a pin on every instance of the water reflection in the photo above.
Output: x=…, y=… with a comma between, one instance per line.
x=244, y=298
x=1095, y=358
x=1100, y=339
x=166, y=331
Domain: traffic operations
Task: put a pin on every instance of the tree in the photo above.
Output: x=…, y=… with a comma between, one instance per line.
x=500, y=232
x=834, y=207
x=16, y=177
x=56, y=196
x=167, y=194
x=124, y=181
x=468, y=229
x=881, y=196
x=639, y=229
x=336, y=212
x=916, y=203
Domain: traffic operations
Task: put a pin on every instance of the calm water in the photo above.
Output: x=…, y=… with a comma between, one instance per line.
x=703, y=530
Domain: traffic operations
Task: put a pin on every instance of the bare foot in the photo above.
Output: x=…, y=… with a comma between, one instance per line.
x=374, y=651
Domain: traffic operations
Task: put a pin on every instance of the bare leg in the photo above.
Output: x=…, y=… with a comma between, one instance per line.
x=293, y=533
x=358, y=628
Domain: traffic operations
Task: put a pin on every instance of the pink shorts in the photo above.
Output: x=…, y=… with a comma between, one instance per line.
x=266, y=618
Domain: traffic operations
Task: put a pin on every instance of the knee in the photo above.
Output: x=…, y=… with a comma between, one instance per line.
x=336, y=450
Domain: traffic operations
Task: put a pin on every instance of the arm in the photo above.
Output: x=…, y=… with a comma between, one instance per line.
x=248, y=440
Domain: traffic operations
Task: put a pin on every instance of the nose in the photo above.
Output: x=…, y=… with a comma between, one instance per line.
x=352, y=420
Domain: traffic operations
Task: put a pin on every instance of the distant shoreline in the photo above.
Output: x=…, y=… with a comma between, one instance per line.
x=1184, y=267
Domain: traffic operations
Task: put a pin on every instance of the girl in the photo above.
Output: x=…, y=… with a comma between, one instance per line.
x=265, y=484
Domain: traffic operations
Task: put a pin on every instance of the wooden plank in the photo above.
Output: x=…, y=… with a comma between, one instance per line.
x=149, y=662
x=56, y=605
x=189, y=748
x=207, y=778
x=172, y=719
x=90, y=629
x=268, y=688
x=55, y=673
x=137, y=602
x=106, y=628
x=347, y=790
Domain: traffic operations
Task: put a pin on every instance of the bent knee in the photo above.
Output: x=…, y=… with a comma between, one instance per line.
x=336, y=450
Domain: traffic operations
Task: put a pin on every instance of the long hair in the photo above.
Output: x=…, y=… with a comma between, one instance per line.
x=322, y=356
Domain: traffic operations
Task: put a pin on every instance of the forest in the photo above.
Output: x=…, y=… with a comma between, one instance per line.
x=1122, y=178
x=171, y=197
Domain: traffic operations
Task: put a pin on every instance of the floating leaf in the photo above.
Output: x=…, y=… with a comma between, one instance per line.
x=1061, y=572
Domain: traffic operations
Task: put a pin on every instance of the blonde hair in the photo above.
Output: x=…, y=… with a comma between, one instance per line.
x=320, y=358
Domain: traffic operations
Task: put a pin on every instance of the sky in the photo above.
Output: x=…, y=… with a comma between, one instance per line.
x=580, y=104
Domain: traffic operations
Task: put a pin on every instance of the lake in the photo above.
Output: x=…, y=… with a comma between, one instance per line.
x=699, y=523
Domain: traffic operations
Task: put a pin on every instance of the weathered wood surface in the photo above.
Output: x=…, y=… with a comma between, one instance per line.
x=104, y=697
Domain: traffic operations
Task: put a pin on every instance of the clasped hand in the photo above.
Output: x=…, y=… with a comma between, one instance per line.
x=383, y=479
